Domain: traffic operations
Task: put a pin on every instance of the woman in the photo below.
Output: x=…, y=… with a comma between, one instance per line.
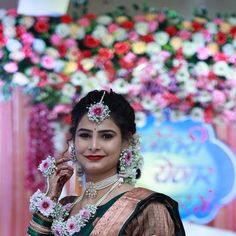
x=105, y=148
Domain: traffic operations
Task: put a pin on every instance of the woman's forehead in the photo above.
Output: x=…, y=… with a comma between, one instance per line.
x=107, y=123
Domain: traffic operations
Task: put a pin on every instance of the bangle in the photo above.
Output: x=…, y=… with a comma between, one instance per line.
x=39, y=202
x=48, y=166
x=39, y=220
x=34, y=232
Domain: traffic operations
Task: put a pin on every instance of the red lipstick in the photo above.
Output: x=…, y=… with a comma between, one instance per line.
x=94, y=158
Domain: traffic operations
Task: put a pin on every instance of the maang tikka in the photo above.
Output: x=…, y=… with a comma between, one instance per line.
x=98, y=112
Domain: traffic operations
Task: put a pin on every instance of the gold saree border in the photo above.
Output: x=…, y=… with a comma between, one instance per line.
x=115, y=217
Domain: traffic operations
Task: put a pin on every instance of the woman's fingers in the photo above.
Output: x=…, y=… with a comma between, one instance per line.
x=62, y=160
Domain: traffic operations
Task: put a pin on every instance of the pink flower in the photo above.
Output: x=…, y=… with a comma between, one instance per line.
x=44, y=165
x=48, y=62
x=85, y=214
x=27, y=38
x=229, y=116
x=133, y=36
x=128, y=158
x=139, y=18
x=58, y=230
x=184, y=34
x=152, y=25
x=84, y=22
x=203, y=53
x=11, y=67
x=72, y=226
x=69, y=43
x=112, y=28
x=46, y=206
x=56, y=40
x=218, y=97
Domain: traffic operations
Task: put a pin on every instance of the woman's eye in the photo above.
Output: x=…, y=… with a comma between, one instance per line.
x=84, y=135
x=107, y=136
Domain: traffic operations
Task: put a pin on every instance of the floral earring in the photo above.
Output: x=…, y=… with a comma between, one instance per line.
x=79, y=169
x=130, y=161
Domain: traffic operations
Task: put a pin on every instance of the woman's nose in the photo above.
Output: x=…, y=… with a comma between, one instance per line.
x=94, y=145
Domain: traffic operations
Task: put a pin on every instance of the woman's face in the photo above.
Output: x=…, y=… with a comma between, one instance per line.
x=98, y=147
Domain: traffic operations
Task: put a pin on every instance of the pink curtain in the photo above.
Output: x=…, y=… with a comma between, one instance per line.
x=226, y=217
x=14, y=215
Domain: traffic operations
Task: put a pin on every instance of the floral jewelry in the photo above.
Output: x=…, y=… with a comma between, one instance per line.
x=48, y=166
x=61, y=227
x=98, y=112
x=39, y=202
x=130, y=161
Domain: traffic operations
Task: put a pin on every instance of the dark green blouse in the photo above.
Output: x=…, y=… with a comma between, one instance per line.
x=101, y=210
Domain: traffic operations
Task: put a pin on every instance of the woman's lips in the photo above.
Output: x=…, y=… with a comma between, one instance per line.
x=94, y=158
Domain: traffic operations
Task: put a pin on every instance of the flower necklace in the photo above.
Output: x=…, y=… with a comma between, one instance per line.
x=91, y=188
x=75, y=223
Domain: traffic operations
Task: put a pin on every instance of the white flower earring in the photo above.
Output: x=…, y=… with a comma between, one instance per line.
x=79, y=169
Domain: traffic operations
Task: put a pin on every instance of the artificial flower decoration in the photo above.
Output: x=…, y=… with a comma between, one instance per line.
x=48, y=166
x=157, y=59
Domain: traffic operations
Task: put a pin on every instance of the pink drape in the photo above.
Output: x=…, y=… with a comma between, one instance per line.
x=14, y=215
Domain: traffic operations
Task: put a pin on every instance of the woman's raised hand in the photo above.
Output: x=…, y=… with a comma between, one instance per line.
x=62, y=174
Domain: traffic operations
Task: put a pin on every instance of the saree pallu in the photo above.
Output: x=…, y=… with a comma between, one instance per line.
x=141, y=212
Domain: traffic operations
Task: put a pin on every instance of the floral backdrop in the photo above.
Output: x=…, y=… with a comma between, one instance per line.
x=160, y=61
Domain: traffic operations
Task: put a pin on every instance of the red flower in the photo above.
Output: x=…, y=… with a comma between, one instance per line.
x=171, y=98
x=66, y=19
x=233, y=31
x=197, y=26
x=20, y=29
x=67, y=119
x=91, y=42
x=208, y=114
x=171, y=30
x=90, y=16
x=126, y=64
x=86, y=53
x=127, y=24
x=221, y=38
x=62, y=50
x=147, y=38
x=41, y=26
x=121, y=47
x=105, y=53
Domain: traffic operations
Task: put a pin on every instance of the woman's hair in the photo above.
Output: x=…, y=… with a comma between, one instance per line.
x=120, y=111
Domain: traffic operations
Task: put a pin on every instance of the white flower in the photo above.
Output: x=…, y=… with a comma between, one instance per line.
x=59, y=65
x=152, y=48
x=62, y=30
x=52, y=52
x=120, y=86
x=161, y=38
x=228, y=49
x=182, y=74
x=190, y=86
x=211, y=27
x=204, y=97
x=78, y=78
x=9, y=32
x=99, y=31
x=68, y=90
x=189, y=48
x=27, y=21
x=13, y=45
x=140, y=119
x=101, y=75
x=87, y=63
x=80, y=34
x=197, y=113
x=39, y=45
x=220, y=68
x=201, y=68
x=141, y=28
x=17, y=56
x=120, y=34
x=3, y=13
x=9, y=21
x=104, y=19
x=198, y=39
x=107, y=40
x=232, y=20
x=20, y=79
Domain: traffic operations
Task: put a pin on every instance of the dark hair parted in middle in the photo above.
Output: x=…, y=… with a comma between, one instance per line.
x=121, y=111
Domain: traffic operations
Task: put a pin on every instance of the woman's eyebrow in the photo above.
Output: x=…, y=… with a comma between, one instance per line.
x=84, y=130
